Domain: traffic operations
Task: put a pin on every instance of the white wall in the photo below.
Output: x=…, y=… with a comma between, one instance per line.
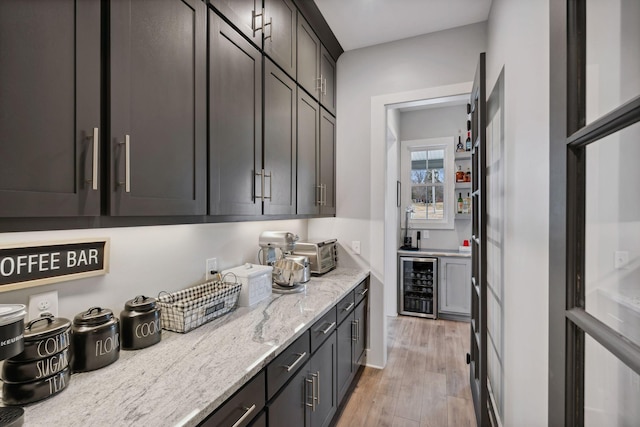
x=518, y=40
x=147, y=260
x=438, y=59
x=437, y=123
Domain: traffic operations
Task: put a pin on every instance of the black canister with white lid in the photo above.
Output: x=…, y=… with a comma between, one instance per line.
x=140, y=323
x=95, y=339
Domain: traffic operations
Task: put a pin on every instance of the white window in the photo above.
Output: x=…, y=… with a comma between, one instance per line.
x=428, y=183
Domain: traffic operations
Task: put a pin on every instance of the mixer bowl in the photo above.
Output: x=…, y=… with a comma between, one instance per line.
x=289, y=272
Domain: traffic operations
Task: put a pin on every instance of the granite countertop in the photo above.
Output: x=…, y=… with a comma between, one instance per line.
x=185, y=377
x=435, y=252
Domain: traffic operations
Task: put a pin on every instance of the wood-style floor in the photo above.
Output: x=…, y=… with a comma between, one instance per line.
x=425, y=382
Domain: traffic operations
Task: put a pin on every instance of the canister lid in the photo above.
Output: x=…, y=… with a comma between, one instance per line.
x=11, y=313
x=140, y=303
x=45, y=326
x=249, y=270
x=93, y=316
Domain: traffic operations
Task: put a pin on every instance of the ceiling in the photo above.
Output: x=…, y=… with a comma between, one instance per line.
x=361, y=23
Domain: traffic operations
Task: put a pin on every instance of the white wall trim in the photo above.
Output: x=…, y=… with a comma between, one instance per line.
x=381, y=178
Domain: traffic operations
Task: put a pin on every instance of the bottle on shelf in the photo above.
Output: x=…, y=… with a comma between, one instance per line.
x=468, y=200
x=460, y=146
x=459, y=174
x=467, y=175
x=460, y=203
x=468, y=142
x=466, y=205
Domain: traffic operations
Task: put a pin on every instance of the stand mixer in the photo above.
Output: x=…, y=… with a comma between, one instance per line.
x=290, y=272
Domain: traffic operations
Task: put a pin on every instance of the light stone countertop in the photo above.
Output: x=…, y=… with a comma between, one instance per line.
x=185, y=377
x=435, y=253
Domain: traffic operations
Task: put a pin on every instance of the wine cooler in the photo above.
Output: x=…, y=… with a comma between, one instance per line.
x=418, y=286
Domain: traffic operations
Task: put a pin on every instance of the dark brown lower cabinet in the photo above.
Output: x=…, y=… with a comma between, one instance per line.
x=306, y=383
x=309, y=399
x=322, y=373
x=242, y=408
x=352, y=341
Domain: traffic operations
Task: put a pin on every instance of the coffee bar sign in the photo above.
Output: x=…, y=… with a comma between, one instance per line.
x=26, y=265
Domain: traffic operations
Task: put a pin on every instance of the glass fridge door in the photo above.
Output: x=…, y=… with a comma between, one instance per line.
x=418, y=287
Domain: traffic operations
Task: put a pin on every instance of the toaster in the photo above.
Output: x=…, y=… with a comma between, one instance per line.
x=322, y=254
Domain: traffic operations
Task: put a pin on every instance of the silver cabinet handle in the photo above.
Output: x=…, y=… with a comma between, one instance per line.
x=357, y=330
x=311, y=405
x=323, y=83
x=328, y=328
x=255, y=15
x=263, y=176
x=319, y=195
x=94, y=169
x=300, y=357
x=270, y=24
x=364, y=292
x=316, y=376
x=324, y=194
x=247, y=412
x=270, y=176
x=319, y=83
x=349, y=307
x=127, y=164
x=353, y=331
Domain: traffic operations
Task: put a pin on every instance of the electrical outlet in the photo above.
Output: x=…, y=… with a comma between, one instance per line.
x=621, y=259
x=46, y=302
x=355, y=245
x=425, y=234
x=211, y=266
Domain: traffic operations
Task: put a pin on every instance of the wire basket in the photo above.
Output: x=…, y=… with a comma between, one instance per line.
x=185, y=310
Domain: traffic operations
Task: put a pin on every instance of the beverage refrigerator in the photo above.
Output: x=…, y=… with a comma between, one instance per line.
x=418, y=286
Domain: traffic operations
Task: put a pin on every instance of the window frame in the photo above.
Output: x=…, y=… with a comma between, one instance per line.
x=429, y=144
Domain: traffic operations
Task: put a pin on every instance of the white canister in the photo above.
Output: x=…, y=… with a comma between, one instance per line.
x=256, y=282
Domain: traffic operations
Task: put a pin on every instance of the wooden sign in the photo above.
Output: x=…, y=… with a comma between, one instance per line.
x=26, y=265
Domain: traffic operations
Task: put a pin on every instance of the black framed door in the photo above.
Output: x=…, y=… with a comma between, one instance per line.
x=478, y=353
x=594, y=267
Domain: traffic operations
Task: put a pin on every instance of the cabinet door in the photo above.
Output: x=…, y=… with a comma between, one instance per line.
x=245, y=15
x=158, y=107
x=455, y=282
x=308, y=189
x=308, y=58
x=280, y=34
x=49, y=108
x=235, y=121
x=344, y=363
x=327, y=163
x=360, y=328
x=323, y=374
x=279, y=141
x=289, y=408
x=328, y=74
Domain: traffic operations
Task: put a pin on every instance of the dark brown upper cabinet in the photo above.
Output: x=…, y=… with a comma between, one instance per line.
x=245, y=15
x=278, y=181
x=50, y=132
x=327, y=81
x=158, y=122
x=309, y=47
x=308, y=139
x=315, y=158
x=235, y=117
x=280, y=34
x=316, y=67
x=327, y=163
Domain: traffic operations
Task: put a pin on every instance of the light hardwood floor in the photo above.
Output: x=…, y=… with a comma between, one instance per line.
x=425, y=382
